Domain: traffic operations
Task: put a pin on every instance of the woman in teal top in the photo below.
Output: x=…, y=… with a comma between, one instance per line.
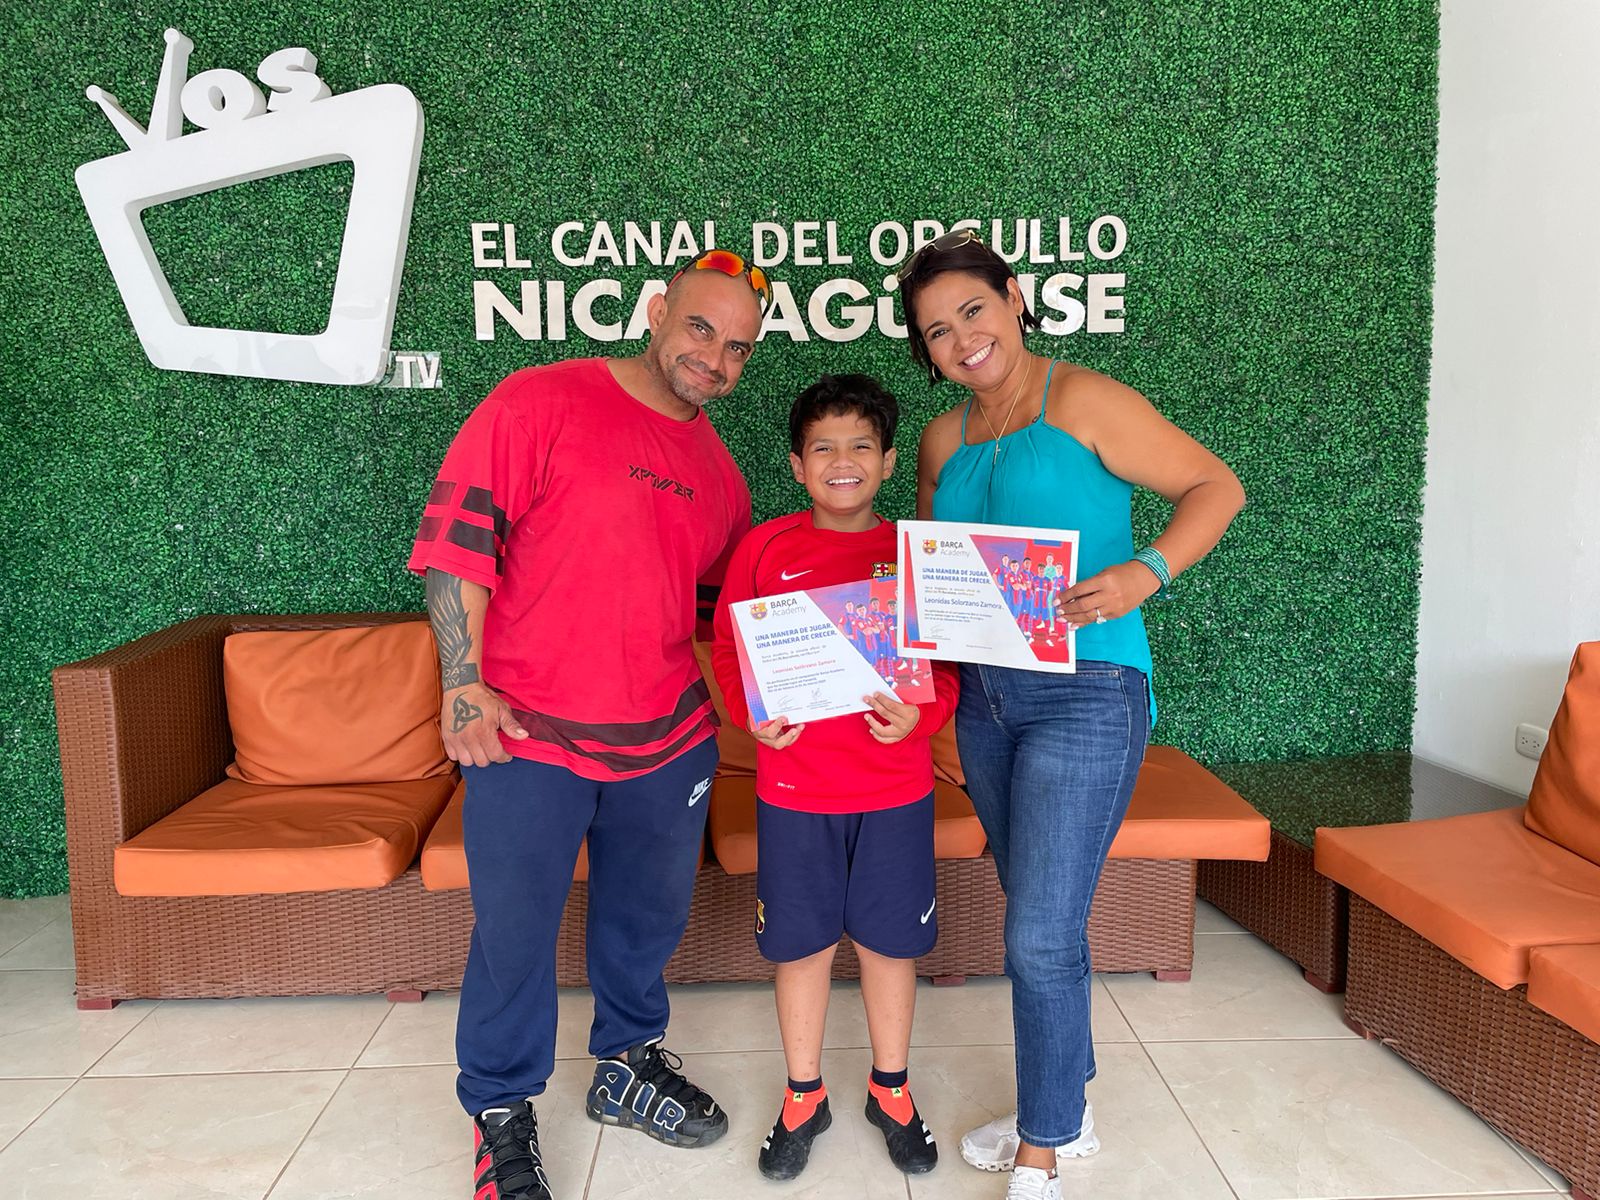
x=1051, y=759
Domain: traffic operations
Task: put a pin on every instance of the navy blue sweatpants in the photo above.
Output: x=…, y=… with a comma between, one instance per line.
x=523, y=823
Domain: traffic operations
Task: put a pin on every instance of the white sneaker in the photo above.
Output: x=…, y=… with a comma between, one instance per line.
x=993, y=1147
x=1033, y=1183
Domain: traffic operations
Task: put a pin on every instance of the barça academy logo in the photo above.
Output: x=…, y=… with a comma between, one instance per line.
x=930, y=546
x=244, y=136
x=758, y=610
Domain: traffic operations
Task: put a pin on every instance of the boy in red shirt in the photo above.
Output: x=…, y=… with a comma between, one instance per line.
x=844, y=820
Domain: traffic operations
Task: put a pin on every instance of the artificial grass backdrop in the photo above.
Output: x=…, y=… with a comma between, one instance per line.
x=1273, y=165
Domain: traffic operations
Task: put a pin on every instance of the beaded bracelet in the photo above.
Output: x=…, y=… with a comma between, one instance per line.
x=1157, y=562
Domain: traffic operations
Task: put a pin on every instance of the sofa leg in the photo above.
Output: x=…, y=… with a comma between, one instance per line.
x=949, y=980
x=96, y=1003
x=1321, y=984
x=1359, y=1028
x=1174, y=976
x=405, y=996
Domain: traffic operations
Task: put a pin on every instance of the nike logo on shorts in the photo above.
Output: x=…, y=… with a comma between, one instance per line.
x=700, y=789
x=786, y=576
x=924, y=918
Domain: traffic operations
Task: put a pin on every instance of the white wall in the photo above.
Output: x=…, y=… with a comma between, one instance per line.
x=1511, y=522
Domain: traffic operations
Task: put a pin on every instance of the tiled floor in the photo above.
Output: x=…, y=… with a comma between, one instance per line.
x=1241, y=1085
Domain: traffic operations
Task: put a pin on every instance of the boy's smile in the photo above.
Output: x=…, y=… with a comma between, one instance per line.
x=842, y=465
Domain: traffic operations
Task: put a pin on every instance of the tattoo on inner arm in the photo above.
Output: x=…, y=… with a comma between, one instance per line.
x=448, y=614
x=464, y=712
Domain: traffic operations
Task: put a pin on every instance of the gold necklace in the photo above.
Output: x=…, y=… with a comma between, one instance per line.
x=1017, y=395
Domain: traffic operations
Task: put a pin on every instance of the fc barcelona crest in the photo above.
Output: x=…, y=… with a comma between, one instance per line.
x=930, y=546
x=758, y=609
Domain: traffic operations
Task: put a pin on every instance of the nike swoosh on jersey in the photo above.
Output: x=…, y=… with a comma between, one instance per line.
x=784, y=575
x=700, y=789
x=924, y=918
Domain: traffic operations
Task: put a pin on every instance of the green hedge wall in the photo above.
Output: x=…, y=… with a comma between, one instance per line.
x=1274, y=165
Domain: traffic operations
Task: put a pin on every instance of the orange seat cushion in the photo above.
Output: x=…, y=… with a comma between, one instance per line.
x=239, y=839
x=1481, y=886
x=1181, y=810
x=956, y=830
x=736, y=749
x=1564, y=804
x=444, y=858
x=334, y=706
x=1564, y=981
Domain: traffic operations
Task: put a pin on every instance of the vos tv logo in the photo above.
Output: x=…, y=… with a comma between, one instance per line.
x=245, y=136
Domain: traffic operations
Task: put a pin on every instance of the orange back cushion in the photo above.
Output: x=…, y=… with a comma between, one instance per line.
x=334, y=706
x=1564, y=804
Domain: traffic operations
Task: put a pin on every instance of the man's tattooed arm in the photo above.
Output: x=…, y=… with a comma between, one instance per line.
x=448, y=615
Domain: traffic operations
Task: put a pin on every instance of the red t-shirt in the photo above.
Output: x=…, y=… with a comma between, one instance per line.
x=592, y=519
x=836, y=766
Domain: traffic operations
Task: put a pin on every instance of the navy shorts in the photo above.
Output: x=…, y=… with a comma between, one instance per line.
x=820, y=875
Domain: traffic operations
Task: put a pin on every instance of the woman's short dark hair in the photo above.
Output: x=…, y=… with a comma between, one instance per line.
x=972, y=258
x=844, y=395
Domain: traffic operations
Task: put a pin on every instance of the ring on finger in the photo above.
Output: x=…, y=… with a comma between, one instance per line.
x=1099, y=619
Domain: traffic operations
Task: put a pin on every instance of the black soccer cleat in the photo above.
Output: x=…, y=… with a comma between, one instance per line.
x=507, y=1165
x=786, y=1151
x=644, y=1089
x=910, y=1141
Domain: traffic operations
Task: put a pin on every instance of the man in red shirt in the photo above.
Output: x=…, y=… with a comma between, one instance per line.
x=578, y=712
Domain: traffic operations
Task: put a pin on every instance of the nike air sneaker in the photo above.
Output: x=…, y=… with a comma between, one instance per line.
x=645, y=1089
x=1033, y=1183
x=910, y=1141
x=507, y=1166
x=993, y=1147
x=788, y=1147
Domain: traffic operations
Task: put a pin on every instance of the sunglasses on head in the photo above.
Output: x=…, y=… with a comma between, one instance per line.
x=948, y=241
x=734, y=266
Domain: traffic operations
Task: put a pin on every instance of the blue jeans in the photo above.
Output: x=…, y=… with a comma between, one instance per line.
x=1050, y=762
x=523, y=822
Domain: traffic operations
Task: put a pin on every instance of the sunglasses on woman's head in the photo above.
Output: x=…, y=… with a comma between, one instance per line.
x=948, y=241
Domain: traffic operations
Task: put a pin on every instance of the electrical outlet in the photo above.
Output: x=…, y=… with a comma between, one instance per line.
x=1531, y=740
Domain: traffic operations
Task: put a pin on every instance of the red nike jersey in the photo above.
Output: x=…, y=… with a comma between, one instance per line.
x=836, y=766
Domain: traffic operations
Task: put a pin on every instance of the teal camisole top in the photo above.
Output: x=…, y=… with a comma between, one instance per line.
x=1046, y=477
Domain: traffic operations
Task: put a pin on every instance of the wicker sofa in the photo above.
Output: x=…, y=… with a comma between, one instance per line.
x=144, y=731
x=1474, y=944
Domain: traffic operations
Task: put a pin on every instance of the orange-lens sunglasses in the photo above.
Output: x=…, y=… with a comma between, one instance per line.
x=733, y=265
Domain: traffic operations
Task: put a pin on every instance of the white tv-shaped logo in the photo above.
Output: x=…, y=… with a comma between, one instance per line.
x=246, y=136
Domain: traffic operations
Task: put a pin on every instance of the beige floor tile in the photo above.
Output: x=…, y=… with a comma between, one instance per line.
x=1208, y=918
x=1242, y=988
x=848, y=1161
x=1331, y=1119
x=21, y=919
x=194, y=1138
x=399, y=1132
x=1148, y=1149
x=21, y=1100
x=1551, y=1176
x=43, y=1033
x=712, y=1017
x=978, y=1013
x=298, y=1033
x=425, y=1034
x=49, y=949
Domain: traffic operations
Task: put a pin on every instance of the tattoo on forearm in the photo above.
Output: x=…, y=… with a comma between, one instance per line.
x=448, y=614
x=464, y=712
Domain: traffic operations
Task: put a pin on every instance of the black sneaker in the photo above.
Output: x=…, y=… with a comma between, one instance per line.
x=645, y=1089
x=907, y=1135
x=786, y=1151
x=505, y=1142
